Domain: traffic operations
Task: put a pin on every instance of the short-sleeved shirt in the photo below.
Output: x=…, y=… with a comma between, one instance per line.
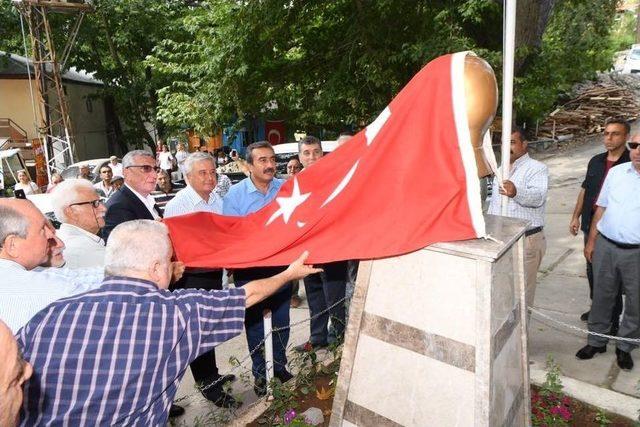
x=596, y=172
x=244, y=198
x=116, y=355
x=620, y=195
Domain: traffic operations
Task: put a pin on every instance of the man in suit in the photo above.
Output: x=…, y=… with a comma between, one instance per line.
x=133, y=200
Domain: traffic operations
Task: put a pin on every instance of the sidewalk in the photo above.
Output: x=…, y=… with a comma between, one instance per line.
x=563, y=293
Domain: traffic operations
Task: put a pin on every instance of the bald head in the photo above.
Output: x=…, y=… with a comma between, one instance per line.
x=24, y=233
x=14, y=371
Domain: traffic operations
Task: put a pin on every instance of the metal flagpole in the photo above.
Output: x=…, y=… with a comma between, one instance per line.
x=509, y=32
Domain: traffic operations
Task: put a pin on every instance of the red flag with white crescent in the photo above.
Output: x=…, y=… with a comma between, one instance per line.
x=276, y=132
x=406, y=181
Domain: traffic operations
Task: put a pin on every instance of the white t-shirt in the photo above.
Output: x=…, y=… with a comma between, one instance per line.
x=165, y=158
x=30, y=188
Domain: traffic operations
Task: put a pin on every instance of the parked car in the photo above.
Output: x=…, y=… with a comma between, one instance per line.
x=11, y=162
x=94, y=167
x=632, y=63
x=285, y=152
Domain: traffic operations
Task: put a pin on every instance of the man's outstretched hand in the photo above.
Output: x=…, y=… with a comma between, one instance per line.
x=298, y=270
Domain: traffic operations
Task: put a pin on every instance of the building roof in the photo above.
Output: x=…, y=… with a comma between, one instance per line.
x=15, y=66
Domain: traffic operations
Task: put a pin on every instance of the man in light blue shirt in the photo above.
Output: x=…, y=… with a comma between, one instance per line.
x=614, y=249
x=243, y=198
x=26, y=242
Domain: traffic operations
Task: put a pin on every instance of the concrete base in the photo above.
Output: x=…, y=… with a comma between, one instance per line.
x=436, y=337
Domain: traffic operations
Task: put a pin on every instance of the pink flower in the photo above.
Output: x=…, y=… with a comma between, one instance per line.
x=289, y=416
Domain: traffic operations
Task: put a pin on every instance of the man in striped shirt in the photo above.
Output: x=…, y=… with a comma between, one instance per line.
x=116, y=355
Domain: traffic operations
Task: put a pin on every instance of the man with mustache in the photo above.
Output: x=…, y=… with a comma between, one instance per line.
x=243, y=198
x=79, y=208
x=526, y=188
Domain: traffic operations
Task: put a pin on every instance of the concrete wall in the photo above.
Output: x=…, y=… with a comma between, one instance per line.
x=88, y=121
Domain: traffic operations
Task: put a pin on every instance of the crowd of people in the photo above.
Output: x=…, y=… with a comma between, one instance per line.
x=103, y=295
x=99, y=323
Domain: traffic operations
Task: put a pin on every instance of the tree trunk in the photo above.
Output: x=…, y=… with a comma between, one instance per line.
x=532, y=17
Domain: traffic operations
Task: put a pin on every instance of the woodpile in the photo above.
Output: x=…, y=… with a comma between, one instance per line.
x=588, y=110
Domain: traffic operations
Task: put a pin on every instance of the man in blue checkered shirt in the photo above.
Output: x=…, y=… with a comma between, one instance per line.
x=116, y=355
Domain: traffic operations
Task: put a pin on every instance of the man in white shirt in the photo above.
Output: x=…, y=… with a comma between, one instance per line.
x=526, y=189
x=133, y=200
x=78, y=207
x=28, y=241
x=104, y=186
x=199, y=196
x=116, y=167
x=613, y=247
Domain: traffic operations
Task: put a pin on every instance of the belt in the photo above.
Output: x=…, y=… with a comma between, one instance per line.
x=533, y=231
x=621, y=245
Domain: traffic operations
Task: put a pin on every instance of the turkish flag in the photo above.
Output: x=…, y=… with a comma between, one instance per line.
x=406, y=181
x=275, y=131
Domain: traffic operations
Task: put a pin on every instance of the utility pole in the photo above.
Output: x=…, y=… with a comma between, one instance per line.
x=54, y=124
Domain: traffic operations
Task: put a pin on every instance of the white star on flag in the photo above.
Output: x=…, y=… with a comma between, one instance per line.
x=289, y=204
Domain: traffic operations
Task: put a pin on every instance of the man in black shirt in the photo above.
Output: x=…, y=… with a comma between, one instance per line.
x=616, y=132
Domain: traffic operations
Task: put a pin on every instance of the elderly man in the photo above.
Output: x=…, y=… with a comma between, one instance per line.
x=615, y=135
x=326, y=289
x=104, y=186
x=133, y=200
x=245, y=197
x=613, y=247
x=28, y=241
x=14, y=371
x=78, y=207
x=165, y=190
x=132, y=338
x=199, y=196
x=526, y=190
x=116, y=166
x=85, y=173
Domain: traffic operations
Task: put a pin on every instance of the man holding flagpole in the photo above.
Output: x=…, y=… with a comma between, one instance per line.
x=526, y=189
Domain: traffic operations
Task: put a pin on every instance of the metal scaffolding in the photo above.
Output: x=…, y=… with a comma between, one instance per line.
x=52, y=116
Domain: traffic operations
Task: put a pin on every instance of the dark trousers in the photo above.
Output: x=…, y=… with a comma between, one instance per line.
x=204, y=367
x=279, y=304
x=617, y=308
x=324, y=290
x=614, y=269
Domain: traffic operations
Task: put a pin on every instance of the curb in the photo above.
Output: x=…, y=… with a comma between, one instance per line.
x=612, y=401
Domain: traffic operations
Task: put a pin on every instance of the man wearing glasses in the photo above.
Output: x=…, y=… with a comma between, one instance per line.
x=616, y=132
x=133, y=200
x=613, y=247
x=78, y=207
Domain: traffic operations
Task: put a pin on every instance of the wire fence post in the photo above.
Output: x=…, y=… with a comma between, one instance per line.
x=268, y=347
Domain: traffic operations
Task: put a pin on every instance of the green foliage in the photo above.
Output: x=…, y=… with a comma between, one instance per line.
x=601, y=418
x=549, y=407
x=623, y=34
x=576, y=44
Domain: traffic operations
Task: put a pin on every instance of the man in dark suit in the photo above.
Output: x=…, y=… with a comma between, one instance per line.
x=133, y=200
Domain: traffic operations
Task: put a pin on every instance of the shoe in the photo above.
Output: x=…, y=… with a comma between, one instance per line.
x=175, y=411
x=283, y=376
x=588, y=351
x=296, y=301
x=221, y=399
x=308, y=347
x=625, y=362
x=260, y=387
x=585, y=316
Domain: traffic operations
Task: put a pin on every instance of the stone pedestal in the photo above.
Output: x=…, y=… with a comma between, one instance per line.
x=438, y=337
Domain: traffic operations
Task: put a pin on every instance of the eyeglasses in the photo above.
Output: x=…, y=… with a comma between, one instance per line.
x=632, y=145
x=146, y=168
x=94, y=203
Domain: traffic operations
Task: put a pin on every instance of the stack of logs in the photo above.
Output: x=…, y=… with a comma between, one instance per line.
x=588, y=110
